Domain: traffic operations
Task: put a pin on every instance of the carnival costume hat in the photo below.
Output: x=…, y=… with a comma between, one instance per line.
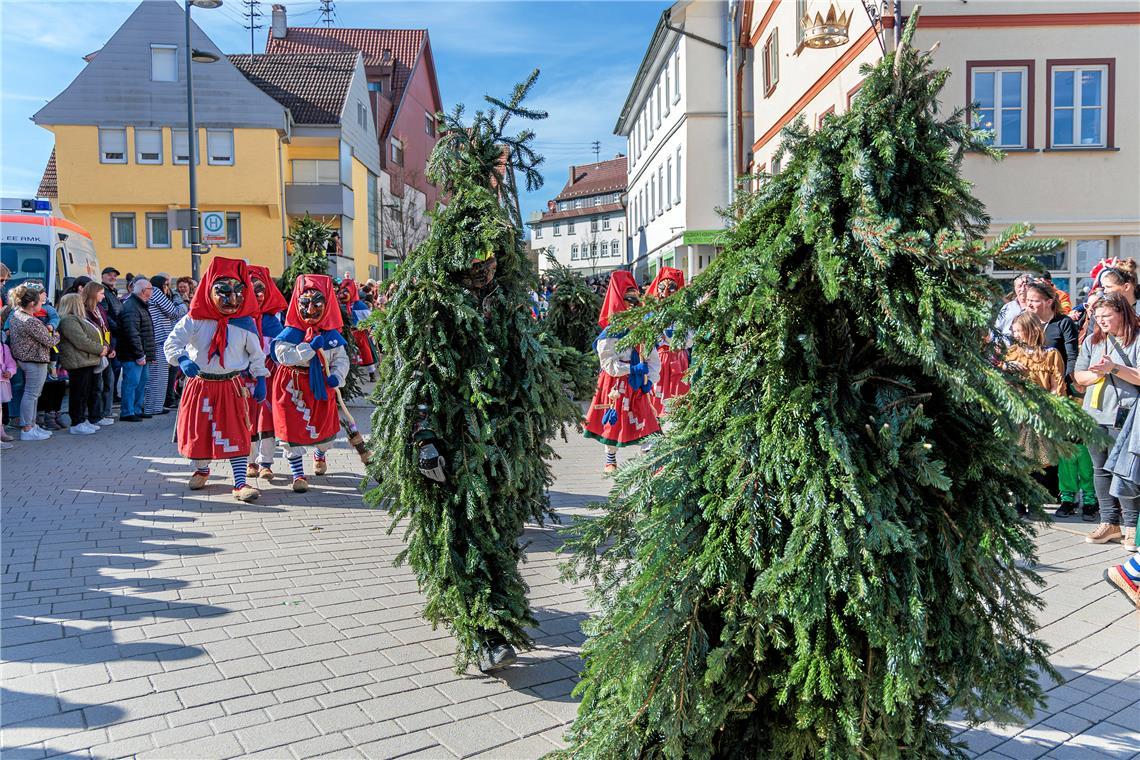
x=353, y=289
x=202, y=305
x=269, y=323
x=298, y=331
x=1098, y=270
x=666, y=273
x=621, y=282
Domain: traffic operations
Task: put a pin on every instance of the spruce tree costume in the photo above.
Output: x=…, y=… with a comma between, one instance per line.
x=468, y=394
x=312, y=363
x=270, y=304
x=213, y=345
x=673, y=348
x=818, y=559
x=622, y=411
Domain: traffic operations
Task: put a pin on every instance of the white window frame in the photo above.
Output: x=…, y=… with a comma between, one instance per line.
x=232, y=216
x=538, y=232
x=657, y=109
x=115, y=241
x=1000, y=139
x=668, y=63
x=574, y=252
x=677, y=76
x=569, y=226
x=577, y=203
x=173, y=60
x=140, y=131
x=669, y=182
x=677, y=198
x=110, y=150
x=558, y=229
x=174, y=147
x=1078, y=107
x=213, y=135
x=599, y=200
x=593, y=224
x=605, y=223
x=150, y=220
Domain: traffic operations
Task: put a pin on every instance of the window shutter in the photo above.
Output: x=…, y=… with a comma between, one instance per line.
x=163, y=63
x=220, y=146
x=148, y=145
x=113, y=146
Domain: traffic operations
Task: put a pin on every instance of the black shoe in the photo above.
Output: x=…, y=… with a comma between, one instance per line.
x=1090, y=513
x=130, y=418
x=1066, y=509
x=496, y=654
x=164, y=411
x=145, y=416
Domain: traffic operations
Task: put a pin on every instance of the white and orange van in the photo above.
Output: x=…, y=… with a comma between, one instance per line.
x=37, y=246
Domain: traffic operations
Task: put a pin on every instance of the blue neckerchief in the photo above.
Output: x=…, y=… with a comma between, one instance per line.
x=271, y=326
x=605, y=333
x=317, y=376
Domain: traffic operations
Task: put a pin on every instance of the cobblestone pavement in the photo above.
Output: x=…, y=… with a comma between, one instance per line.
x=140, y=619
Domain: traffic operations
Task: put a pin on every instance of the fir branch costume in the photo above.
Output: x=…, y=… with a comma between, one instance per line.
x=468, y=395
x=818, y=559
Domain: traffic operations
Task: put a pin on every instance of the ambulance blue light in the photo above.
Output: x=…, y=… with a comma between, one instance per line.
x=42, y=205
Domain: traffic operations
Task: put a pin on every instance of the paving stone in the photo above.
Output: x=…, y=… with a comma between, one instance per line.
x=278, y=733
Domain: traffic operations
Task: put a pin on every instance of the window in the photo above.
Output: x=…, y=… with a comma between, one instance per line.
x=180, y=145
x=669, y=183
x=820, y=119
x=316, y=172
x=605, y=223
x=855, y=91
x=558, y=229
x=148, y=146
x=563, y=205
x=657, y=110
x=164, y=63
x=771, y=62
x=1081, y=103
x=1000, y=97
x=362, y=115
x=233, y=231
x=577, y=203
x=599, y=200
x=649, y=118
x=374, y=212
x=653, y=197
x=593, y=250
x=112, y=146
x=375, y=87
x=569, y=226
x=157, y=231
x=777, y=165
x=429, y=124
x=220, y=147
x=660, y=189
x=801, y=11
x=397, y=151
x=678, y=198
x=574, y=252
x=667, y=64
x=538, y=232
x=123, y=231
x=617, y=198
x=677, y=76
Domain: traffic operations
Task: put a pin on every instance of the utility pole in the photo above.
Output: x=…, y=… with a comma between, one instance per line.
x=252, y=13
x=597, y=148
x=328, y=12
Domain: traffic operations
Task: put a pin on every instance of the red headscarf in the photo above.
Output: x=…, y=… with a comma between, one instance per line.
x=275, y=302
x=202, y=307
x=353, y=290
x=621, y=281
x=330, y=321
x=666, y=273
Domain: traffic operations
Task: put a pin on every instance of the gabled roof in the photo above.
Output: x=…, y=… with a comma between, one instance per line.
x=49, y=187
x=590, y=179
x=312, y=86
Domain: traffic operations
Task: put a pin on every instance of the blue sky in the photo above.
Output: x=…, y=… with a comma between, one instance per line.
x=588, y=53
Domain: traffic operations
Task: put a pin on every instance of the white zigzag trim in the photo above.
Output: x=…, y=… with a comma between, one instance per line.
x=217, y=434
x=299, y=405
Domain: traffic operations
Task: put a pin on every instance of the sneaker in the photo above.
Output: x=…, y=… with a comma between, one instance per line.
x=1117, y=577
x=246, y=493
x=83, y=428
x=495, y=654
x=5, y=437
x=35, y=434
x=6, y=445
x=320, y=466
x=1090, y=512
x=1129, y=540
x=300, y=485
x=198, y=480
x=1066, y=509
x=48, y=433
x=145, y=416
x=106, y=422
x=1104, y=533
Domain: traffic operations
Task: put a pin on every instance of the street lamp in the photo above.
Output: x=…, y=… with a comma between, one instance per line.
x=195, y=56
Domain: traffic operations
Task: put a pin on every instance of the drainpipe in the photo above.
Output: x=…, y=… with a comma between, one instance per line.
x=731, y=116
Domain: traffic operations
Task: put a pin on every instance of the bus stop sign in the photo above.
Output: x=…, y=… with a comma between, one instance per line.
x=213, y=227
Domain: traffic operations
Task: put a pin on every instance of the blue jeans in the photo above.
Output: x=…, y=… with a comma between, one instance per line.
x=134, y=389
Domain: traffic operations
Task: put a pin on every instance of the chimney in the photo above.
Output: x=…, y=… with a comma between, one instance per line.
x=572, y=173
x=385, y=56
x=550, y=205
x=280, y=26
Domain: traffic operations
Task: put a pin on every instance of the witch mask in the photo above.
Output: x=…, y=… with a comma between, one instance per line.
x=479, y=275
x=666, y=288
x=311, y=305
x=259, y=292
x=228, y=295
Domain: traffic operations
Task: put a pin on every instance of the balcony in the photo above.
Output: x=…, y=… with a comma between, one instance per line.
x=318, y=200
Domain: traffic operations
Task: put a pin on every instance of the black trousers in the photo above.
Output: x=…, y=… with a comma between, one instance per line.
x=83, y=404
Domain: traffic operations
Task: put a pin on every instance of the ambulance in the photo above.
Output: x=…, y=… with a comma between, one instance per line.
x=37, y=246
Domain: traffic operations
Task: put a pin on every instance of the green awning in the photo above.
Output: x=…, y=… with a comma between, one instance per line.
x=702, y=237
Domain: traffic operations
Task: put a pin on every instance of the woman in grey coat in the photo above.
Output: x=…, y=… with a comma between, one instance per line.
x=166, y=308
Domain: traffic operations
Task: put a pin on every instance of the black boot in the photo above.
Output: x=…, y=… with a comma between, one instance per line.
x=495, y=653
x=1067, y=509
x=1090, y=512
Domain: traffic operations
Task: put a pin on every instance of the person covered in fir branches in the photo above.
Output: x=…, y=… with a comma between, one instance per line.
x=469, y=393
x=213, y=345
x=622, y=411
x=348, y=293
x=673, y=349
x=311, y=364
x=270, y=304
x=817, y=560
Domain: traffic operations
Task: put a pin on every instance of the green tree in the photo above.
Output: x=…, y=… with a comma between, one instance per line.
x=308, y=238
x=474, y=358
x=820, y=559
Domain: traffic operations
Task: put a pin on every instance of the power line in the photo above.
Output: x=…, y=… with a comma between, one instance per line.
x=328, y=12
x=252, y=14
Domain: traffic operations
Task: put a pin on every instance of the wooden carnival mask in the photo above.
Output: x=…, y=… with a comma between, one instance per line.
x=228, y=295
x=311, y=305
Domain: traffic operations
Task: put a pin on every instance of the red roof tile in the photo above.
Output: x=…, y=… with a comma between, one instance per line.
x=573, y=213
x=591, y=179
x=49, y=187
x=312, y=86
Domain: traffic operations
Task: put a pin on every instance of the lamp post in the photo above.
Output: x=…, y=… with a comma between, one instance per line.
x=192, y=56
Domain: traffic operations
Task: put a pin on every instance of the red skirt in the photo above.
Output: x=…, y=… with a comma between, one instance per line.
x=299, y=419
x=674, y=364
x=213, y=419
x=364, y=357
x=260, y=414
x=635, y=416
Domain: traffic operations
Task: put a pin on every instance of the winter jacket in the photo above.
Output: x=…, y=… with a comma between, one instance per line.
x=29, y=338
x=1061, y=334
x=112, y=306
x=7, y=364
x=80, y=343
x=136, y=332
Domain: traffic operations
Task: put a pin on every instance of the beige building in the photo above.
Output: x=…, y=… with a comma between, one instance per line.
x=1057, y=82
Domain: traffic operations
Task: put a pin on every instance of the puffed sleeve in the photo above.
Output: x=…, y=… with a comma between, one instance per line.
x=338, y=362
x=653, y=362
x=292, y=354
x=257, y=366
x=613, y=364
x=176, y=342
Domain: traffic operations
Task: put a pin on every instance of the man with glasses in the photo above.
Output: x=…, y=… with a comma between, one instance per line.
x=135, y=349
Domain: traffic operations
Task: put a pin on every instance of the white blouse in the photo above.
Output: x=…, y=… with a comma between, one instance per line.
x=191, y=337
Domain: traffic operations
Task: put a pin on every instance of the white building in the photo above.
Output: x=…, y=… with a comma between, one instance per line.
x=675, y=119
x=584, y=226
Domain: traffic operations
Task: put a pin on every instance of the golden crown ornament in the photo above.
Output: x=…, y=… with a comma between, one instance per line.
x=826, y=31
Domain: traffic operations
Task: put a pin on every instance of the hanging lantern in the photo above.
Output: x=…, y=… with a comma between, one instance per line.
x=826, y=31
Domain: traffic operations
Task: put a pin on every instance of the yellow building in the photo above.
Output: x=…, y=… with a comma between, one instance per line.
x=276, y=139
